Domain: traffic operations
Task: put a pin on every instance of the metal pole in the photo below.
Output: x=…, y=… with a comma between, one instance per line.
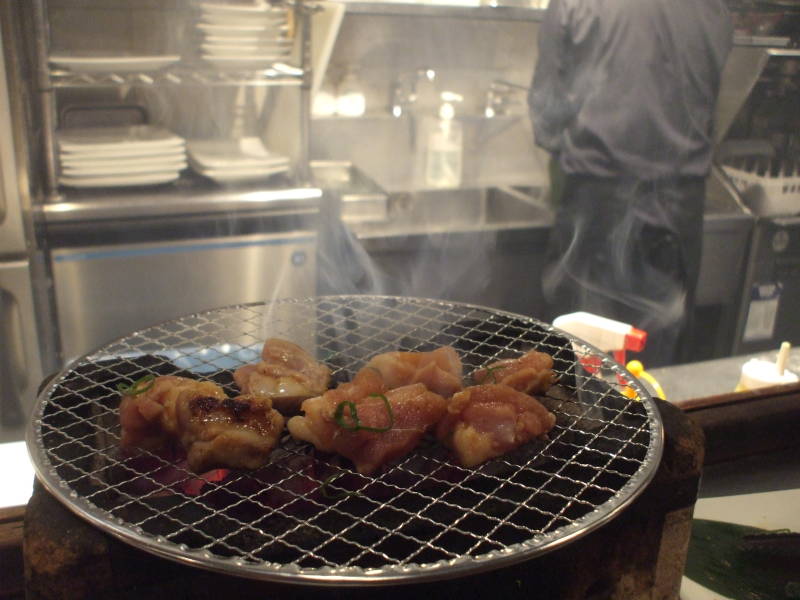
x=46, y=96
x=303, y=13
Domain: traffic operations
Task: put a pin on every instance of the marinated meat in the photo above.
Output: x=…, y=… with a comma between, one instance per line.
x=486, y=421
x=214, y=430
x=440, y=370
x=531, y=373
x=149, y=418
x=234, y=432
x=364, y=422
x=286, y=373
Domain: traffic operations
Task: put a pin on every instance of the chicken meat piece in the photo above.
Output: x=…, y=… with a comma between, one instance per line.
x=237, y=433
x=286, y=373
x=149, y=419
x=440, y=370
x=373, y=435
x=531, y=373
x=214, y=430
x=486, y=421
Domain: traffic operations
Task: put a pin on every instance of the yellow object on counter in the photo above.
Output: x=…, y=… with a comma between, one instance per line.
x=637, y=370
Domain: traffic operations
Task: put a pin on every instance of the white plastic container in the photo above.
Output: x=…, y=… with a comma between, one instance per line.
x=760, y=373
x=443, y=164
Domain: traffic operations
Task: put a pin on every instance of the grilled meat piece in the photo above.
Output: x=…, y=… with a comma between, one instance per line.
x=149, y=419
x=486, y=421
x=234, y=432
x=440, y=370
x=214, y=430
x=286, y=373
x=531, y=373
x=386, y=425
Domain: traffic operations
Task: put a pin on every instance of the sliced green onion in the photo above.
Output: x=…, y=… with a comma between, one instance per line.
x=324, y=489
x=389, y=411
x=140, y=386
x=355, y=422
x=338, y=416
x=491, y=371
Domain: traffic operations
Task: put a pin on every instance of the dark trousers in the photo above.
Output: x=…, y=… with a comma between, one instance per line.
x=629, y=250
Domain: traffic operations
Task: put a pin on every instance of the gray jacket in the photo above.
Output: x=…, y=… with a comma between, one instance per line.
x=628, y=87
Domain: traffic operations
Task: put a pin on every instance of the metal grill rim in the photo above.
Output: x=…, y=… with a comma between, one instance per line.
x=374, y=316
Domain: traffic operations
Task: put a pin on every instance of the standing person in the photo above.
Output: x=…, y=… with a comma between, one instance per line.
x=623, y=97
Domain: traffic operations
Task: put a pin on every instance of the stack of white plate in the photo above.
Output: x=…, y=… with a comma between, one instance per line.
x=119, y=156
x=230, y=161
x=244, y=36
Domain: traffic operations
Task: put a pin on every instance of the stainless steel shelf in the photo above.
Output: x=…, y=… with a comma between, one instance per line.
x=498, y=11
x=191, y=195
x=280, y=74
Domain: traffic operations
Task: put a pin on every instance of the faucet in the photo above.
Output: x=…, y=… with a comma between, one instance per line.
x=405, y=89
x=502, y=96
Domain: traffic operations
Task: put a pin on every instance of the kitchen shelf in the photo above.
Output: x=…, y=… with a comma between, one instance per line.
x=496, y=11
x=272, y=71
x=285, y=75
x=189, y=195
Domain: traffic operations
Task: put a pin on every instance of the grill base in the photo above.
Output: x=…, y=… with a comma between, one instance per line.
x=639, y=554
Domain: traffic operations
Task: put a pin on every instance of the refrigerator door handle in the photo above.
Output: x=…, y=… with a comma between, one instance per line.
x=20, y=368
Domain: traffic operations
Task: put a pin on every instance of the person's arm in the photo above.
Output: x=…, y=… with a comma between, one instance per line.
x=547, y=97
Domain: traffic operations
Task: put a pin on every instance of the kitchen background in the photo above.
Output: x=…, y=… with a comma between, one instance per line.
x=355, y=147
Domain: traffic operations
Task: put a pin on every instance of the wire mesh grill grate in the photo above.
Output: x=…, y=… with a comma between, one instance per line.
x=423, y=517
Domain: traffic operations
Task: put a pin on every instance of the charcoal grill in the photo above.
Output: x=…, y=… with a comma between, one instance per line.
x=422, y=518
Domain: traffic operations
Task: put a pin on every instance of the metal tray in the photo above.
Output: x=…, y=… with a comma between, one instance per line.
x=421, y=518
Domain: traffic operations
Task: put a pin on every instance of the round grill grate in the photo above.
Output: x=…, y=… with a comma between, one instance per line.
x=422, y=518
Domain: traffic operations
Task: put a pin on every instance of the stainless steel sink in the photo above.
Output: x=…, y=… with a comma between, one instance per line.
x=362, y=200
x=467, y=208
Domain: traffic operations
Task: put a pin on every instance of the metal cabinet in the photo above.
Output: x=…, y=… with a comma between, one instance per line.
x=103, y=292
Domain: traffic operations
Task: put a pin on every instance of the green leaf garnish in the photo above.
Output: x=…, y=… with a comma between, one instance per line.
x=338, y=416
x=324, y=489
x=491, y=371
x=140, y=386
x=354, y=423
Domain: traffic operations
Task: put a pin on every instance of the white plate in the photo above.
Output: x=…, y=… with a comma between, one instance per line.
x=120, y=180
x=235, y=61
x=102, y=160
x=277, y=47
x=235, y=38
x=246, y=9
x=235, y=175
x=113, y=64
x=117, y=140
x=123, y=169
x=266, y=19
x=232, y=30
x=232, y=154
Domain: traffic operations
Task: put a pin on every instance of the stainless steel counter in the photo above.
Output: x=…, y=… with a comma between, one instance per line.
x=189, y=196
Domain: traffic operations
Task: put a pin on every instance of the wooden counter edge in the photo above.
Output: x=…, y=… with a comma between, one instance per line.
x=12, y=580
